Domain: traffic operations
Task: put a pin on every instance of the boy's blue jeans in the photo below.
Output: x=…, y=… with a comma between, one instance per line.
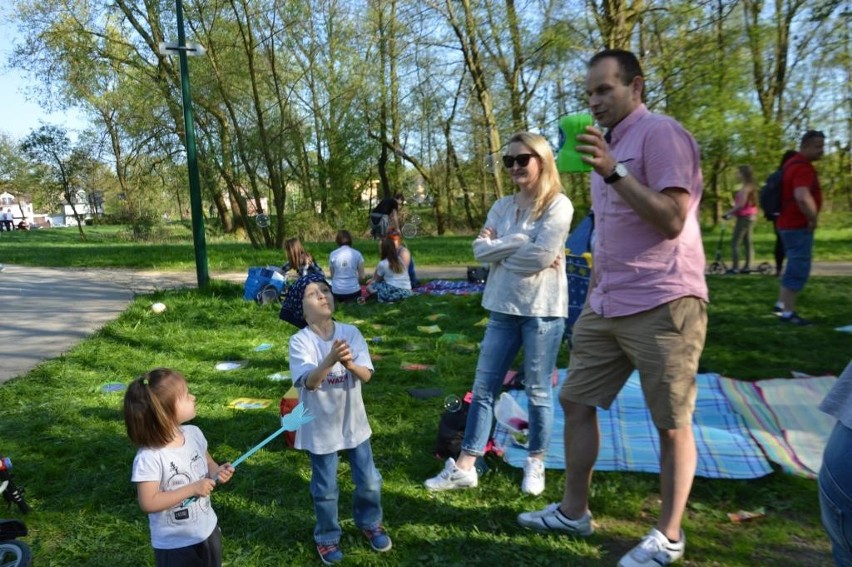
x=366, y=500
x=504, y=337
x=835, y=493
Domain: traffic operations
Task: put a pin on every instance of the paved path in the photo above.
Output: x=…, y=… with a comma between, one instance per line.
x=46, y=311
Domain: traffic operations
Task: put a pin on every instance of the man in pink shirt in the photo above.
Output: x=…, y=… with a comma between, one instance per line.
x=647, y=301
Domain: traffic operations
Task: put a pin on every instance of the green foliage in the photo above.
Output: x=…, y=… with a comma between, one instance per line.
x=66, y=438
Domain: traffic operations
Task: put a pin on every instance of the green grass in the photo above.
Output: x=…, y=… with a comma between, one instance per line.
x=172, y=249
x=71, y=454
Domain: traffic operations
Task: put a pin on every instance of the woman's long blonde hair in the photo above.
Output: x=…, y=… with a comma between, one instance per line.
x=549, y=184
x=747, y=177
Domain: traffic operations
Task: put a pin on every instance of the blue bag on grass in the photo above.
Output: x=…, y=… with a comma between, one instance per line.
x=263, y=285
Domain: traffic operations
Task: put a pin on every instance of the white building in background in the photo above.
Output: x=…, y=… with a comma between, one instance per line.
x=21, y=210
x=85, y=209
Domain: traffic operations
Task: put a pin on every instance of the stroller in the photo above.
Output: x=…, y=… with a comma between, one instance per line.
x=718, y=266
x=13, y=552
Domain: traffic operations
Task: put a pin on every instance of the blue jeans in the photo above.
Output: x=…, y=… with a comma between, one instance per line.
x=799, y=245
x=835, y=493
x=366, y=500
x=504, y=337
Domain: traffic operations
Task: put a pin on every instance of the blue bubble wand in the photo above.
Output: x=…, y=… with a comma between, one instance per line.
x=290, y=422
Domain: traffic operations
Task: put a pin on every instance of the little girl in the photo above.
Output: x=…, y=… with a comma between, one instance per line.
x=298, y=259
x=391, y=281
x=329, y=361
x=173, y=472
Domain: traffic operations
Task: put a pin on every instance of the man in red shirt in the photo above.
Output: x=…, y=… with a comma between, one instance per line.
x=801, y=200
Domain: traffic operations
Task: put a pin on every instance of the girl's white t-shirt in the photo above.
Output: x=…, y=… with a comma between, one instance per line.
x=340, y=419
x=344, y=264
x=174, y=467
x=401, y=280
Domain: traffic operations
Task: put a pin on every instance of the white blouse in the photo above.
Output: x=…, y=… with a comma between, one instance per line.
x=521, y=280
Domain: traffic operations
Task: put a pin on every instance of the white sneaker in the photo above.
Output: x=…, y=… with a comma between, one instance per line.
x=533, y=482
x=550, y=519
x=453, y=477
x=655, y=549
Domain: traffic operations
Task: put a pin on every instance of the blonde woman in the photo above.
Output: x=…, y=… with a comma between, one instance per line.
x=745, y=211
x=527, y=295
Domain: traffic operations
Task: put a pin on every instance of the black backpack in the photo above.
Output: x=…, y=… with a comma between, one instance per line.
x=770, y=195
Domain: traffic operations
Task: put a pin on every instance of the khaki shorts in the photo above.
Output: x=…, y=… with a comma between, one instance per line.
x=663, y=344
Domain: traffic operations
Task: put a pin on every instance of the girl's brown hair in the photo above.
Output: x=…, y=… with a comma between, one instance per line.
x=390, y=254
x=296, y=254
x=150, y=405
x=343, y=238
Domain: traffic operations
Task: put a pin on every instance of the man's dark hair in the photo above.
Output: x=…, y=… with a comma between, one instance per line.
x=787, y=155
x=810, y=135
x=629, y=67
x=399, y=197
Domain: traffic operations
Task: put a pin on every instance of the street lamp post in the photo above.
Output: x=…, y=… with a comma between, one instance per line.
x=198, y=237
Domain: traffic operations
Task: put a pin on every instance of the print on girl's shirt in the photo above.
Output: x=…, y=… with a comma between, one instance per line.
x=197, y=470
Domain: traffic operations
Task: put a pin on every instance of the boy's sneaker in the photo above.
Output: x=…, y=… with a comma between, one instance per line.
x=379, y=539
x=453, y=477
x=794, y=319
x=655, y=549
x=777, y=311
x=533, y=482
x=551, y=519
x=330, y=554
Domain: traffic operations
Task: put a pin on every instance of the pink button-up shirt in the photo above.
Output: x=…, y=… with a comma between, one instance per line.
x=635, y=267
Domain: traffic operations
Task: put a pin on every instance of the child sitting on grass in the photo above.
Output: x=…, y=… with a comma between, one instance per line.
x=329, y=361
x=173, y=472
x=391, y=282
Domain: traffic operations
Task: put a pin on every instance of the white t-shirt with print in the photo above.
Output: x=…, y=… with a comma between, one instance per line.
x=402, y=280
x=174, y=467
x=340, y=419
x=344, y=264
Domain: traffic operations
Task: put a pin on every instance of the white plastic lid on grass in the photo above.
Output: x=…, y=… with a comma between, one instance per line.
x=230, y=365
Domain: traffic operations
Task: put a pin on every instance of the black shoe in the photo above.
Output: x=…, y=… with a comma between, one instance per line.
x=777, y=311
x=732, y=272
x=794, y=319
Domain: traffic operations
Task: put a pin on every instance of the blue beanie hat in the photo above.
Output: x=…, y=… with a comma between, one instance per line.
x=291, y=307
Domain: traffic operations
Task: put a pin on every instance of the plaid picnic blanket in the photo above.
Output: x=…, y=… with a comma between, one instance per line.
x=629, y=440
x=783, y=415
x=451, y=287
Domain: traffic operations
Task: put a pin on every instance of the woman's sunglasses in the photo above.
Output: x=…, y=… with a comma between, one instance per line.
x=521, y=159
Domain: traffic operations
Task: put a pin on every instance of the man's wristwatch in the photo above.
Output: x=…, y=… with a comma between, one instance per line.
x=619, y=172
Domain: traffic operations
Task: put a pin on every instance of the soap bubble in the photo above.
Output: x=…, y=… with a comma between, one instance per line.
x=452, y=403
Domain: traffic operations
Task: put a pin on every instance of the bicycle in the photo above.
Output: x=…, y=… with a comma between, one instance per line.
x=410, y=228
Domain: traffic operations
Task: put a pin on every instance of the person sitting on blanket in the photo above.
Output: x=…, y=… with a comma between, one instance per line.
x=527, y=295
x=390, y=282
x=298, y=259
x=404, y=255
x=347, y=269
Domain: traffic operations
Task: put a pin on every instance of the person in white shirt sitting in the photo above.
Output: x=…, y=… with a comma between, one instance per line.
x=347, y=269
